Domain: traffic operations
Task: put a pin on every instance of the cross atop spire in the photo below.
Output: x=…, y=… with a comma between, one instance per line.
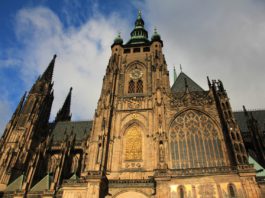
x=139, y=14
x=48, y=73
x=64, y=113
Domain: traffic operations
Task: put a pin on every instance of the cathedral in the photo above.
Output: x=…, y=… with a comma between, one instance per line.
x=147, y=139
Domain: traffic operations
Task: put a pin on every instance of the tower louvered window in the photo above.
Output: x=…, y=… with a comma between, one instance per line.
x=231, y=190
x=131, y=87
x=135, y=87
x=181, y=192
x=139, y=87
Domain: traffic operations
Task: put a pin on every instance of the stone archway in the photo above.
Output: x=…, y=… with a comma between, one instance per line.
x=131, y=194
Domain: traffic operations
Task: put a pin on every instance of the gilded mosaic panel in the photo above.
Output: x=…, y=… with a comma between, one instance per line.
x=133, y=144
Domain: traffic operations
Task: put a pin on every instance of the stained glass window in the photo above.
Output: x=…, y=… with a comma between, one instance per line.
x=196, y=141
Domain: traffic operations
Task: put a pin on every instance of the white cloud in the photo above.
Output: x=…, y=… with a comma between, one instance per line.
x=83, y=54
x=222, y=39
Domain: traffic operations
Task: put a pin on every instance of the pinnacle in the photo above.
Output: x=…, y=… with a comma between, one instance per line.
x=64, y=113
x=48, y=73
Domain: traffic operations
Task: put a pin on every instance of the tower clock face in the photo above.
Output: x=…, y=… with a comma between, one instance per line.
x=136, y=74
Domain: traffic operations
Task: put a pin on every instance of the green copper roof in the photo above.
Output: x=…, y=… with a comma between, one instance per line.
x=180, y=84
x=118, y=39
x=43, y=184
x=156, y=36
x=80, y=129
x=16, y=184
x=139, y=34
x=74, y=177
x=257, y=166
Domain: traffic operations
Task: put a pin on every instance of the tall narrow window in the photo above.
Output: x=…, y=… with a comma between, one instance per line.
x=131, y=87
x=139, y=88
x=181, y=192
x=231, y=190
x=99, y=153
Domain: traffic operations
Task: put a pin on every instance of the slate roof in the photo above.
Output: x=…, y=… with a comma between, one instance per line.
x=179, y=84
x=259, y=115
x=81, y=129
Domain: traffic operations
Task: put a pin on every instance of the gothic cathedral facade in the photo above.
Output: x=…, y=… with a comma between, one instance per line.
x=147, y=139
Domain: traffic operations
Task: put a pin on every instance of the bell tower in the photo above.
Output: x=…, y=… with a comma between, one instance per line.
x=127, y=139
x=155, y=139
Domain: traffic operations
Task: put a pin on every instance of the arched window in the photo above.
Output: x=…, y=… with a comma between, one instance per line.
x=233, y=136
x=53, y=163
x=131, y=87
x=239, y=159
x=75, y=163
x=181, y=192
x=139, y=88
x=238, y=136
x=195, y=141
x=231, y=190
x=242, y=148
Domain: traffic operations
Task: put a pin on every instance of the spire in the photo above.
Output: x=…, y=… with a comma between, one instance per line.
x=64, y=113
x=20, y=105
x=139, y=34
x=48, y=73
x=175, y=74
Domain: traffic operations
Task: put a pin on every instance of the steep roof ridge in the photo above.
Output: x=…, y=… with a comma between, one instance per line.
x=249, y=110
x=180, y=85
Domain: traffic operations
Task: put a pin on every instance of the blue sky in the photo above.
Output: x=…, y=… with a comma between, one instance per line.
x=222, y=39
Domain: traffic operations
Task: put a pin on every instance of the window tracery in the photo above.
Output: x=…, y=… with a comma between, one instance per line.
x=195, y=141
x=135, y=86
